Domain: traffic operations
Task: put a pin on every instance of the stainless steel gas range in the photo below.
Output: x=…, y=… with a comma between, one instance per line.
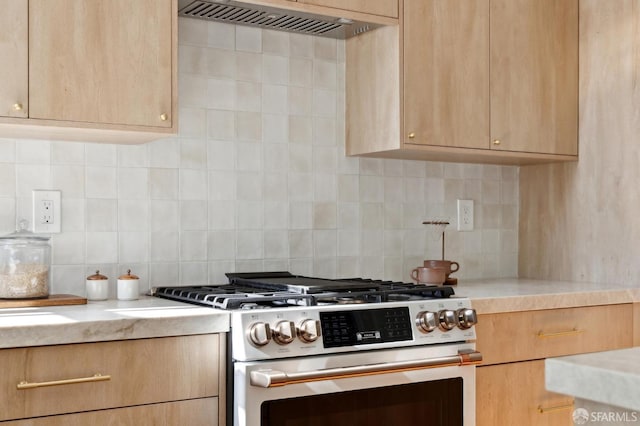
x=311, y=351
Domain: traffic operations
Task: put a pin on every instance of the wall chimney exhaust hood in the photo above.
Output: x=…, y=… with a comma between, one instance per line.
x=233, y=12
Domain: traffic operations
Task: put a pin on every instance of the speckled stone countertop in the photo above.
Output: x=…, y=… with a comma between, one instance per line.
x=514, y=294
x=611, y=377
x=107, y=320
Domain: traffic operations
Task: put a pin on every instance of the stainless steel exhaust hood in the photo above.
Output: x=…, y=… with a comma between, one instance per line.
x=234, y=12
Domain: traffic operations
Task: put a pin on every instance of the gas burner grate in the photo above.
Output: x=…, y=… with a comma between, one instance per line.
x=282, y=289
x=230, y=297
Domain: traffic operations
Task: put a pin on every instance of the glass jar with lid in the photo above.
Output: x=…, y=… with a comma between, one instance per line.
x=25, y=260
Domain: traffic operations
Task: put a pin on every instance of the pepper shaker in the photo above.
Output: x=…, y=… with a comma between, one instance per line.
x=97, y=287
x=128, y=286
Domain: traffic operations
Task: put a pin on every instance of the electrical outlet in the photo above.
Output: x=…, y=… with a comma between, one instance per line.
x=465, y=215
x=46, y=211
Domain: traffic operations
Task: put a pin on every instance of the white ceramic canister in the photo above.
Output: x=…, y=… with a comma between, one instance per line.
x=97, y=287
x=128, y=286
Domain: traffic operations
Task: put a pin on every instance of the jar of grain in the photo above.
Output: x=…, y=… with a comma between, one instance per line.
x=25, y=260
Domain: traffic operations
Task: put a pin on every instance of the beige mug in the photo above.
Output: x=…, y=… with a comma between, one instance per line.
x=424, y=275
x=449, y=266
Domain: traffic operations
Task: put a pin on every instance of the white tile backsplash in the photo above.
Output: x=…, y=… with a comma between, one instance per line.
x=33, y=152
x=256, y=179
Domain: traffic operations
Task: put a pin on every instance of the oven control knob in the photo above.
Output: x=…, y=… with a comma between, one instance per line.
x=284, y=332
x=447, y=319
x=309, y=330
x=426, y=321
x=259, y=334
x=466, y=318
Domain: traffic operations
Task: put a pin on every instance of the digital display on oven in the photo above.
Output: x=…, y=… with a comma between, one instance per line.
x=362, y=327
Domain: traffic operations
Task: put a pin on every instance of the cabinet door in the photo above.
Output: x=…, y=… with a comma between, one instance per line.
x=534, y=76
x=514, y=394
x=374, y=7
x=446, y=73
x=101, y=61
x=14, y=70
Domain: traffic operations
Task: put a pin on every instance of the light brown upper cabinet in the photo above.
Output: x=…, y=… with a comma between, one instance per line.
x=534, y=76
x=14, y=60
x=446, y=73
x=374, y=7
x=101, y=70
x=492, y=81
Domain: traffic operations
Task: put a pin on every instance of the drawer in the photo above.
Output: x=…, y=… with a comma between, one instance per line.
x=517, y=336
x=194, y=412
x=515, y=394
x=140, y=372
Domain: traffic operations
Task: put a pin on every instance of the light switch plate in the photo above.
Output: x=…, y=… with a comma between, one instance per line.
x=46, y=217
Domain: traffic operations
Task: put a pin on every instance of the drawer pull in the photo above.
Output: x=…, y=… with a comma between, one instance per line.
x=95, y=378
x=543, y=335
x=544, y=410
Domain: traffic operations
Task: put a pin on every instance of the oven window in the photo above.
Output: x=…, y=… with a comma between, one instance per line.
x=436, y=403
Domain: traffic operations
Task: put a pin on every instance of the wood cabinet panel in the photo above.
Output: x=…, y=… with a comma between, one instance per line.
x=517, y=336
x=194, y=412
x=14, y=72
x=636, y=324
x=101, y=61
x=515, y=394
x=142, y=372
x=534, y=75
x=372, y=100
x=374, y=7
x=457, y=63
x=446, y=73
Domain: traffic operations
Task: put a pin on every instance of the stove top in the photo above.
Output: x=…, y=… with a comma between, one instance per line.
x=260, y=290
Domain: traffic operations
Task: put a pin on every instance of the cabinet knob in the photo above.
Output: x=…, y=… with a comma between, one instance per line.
x=164, y=117
x=497, y=142
x=17, y=107
x=412, y=135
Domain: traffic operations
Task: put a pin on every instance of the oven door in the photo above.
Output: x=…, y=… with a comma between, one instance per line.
x=402, y=387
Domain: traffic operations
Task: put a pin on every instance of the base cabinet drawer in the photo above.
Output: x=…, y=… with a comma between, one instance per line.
x=194, y=412
x=514, y=394
x=519, y=336
x=49, y=380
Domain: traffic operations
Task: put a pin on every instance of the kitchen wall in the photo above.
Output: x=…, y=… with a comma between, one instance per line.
x=256, y=180
x=580, y=221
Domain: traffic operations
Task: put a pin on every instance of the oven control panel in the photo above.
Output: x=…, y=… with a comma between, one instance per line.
x=314, y=330
x=366, y=326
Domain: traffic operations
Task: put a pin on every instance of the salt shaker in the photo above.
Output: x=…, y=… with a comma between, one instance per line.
x=97, y=287
x=128, y=286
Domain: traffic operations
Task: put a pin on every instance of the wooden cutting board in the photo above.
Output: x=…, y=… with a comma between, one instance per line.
x=51, y=300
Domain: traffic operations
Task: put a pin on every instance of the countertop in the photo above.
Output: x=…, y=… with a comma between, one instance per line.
x=611, y=377
x=155, y=317
x=516, y=294
x=107, y=320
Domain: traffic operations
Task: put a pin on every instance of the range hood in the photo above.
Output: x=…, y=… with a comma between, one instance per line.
x=233, y=12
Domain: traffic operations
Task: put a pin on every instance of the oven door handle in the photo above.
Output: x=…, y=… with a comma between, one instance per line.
x=271, y=378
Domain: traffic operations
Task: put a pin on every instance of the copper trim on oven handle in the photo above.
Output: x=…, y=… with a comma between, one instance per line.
x=273, y=378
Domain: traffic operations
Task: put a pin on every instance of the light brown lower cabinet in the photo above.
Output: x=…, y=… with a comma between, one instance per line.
x=510, y=384
x=194, y=412
x=515, y=394
x=636, y=324
x=164, y=378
